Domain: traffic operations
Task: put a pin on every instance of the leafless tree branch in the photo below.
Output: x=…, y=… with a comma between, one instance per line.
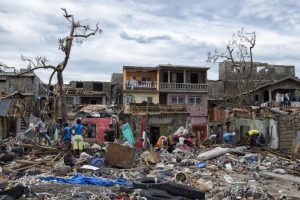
x=77, y=32
x=4, y=67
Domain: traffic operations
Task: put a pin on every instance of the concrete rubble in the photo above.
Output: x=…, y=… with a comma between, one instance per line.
x=215, y=172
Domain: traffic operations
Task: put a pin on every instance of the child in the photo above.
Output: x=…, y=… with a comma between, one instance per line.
x=67, y=136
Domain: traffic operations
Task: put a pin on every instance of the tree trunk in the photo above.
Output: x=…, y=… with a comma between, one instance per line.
x=63, y=108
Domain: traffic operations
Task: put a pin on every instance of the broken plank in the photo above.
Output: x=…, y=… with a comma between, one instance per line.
x=286, y=177
x=57, y=156
x=9, y=170
x=27, y=162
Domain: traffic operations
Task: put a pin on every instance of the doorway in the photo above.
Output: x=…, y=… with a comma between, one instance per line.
x=154, y=135
x=200, y=132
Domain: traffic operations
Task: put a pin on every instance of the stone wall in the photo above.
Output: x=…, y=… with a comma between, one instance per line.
x=287, y=128
x=215, y=89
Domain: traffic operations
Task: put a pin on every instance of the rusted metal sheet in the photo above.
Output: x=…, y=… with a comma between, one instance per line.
x=120, y=155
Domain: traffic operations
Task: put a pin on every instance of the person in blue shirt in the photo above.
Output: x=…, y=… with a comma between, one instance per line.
x=229, y=137
x=67, y=136
x=78, y=137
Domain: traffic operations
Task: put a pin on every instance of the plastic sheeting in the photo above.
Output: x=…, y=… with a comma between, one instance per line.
x=127, y=133
x=85, y=180
x=218, y=151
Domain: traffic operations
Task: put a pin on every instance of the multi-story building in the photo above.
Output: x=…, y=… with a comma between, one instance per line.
x=186, y=86
x=87, y=92
x=243, y=77
x=140, y=87
x=169, y=95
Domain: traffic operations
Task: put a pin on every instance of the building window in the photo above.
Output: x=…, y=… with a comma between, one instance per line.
x=179, y=78
x=129, y=99
x=97, y=87
x=93, y=101
x=177, y=100
x=70, y=100
x=194, y=77
x=195, y=100
x=79, y=84
x=91, y=131
x=147, y=99
x=165, y=77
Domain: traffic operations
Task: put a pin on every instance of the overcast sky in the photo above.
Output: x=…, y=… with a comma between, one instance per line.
x=146, y=33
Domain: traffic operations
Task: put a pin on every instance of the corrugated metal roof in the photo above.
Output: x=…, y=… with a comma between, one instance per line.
x=4, y=107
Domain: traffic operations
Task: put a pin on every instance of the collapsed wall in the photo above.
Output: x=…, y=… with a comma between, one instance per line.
x=288, y=125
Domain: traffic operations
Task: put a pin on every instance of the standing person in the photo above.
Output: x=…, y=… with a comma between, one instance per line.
x=228, y=137
x=109, y=134
x=43, y=131
x=253, y=134
x=78, y=138
x=213, y=138
x=67, y=136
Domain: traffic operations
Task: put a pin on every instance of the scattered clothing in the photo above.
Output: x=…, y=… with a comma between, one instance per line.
x=86, y=180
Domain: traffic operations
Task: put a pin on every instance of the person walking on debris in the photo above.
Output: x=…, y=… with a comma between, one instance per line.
x=68, y=155
x=229, y=137
x=253, y=135
x=109, y=134
x=78, y=137
x=42, y=130
x=67, y=136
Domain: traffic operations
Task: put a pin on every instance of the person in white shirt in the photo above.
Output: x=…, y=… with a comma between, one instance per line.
x=43, y=131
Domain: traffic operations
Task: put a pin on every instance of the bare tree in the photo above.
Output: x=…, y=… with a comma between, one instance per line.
x=239, y=52
x=76, y=34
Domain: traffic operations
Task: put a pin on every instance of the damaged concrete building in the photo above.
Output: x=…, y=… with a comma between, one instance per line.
x=87, y=92
x=235, y=80
x=252, y=104
x=22, y=92
x=168, y=96
x=116, y=88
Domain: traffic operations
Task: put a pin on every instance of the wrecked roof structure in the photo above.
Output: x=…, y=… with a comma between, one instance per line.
x=89, y=110
x=272, y=93
x=13, y=115
x=87, y=92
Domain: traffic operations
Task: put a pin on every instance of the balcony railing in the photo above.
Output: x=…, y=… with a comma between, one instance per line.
x=135, y=108
x=140, y=84
x=184, y=87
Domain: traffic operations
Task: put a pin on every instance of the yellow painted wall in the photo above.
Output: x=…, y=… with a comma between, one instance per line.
x=151, y=76
x=139, y=96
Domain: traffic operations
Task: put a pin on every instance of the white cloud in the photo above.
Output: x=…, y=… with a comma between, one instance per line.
x=145, y=32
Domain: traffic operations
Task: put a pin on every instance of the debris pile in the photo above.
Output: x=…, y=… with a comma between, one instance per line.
x=119, y=170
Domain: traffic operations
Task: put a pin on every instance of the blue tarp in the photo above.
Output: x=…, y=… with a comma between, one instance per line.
x=85, y=180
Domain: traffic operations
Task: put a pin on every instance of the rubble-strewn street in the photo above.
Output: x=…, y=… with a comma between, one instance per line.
x=216, y=171
x=148, y=100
